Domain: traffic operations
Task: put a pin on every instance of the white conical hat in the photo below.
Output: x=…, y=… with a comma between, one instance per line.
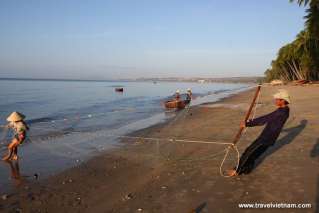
x=189, y=90
x=15, y=116
x=177, y=91
x=282, y=94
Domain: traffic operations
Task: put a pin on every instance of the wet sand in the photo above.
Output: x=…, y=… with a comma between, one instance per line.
x=168, y=176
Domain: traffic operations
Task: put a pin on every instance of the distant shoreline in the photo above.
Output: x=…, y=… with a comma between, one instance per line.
x=189, y=80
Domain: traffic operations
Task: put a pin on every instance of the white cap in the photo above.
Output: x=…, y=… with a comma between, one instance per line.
x=177, y=91
x=282, y=94
x=189, y=90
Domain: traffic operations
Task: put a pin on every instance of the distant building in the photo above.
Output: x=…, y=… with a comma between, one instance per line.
x=201, y=81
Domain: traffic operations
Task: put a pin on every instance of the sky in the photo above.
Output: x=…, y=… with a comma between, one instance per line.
x=110, y=39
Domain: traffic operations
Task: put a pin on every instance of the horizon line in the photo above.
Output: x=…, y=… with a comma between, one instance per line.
x=126, y=79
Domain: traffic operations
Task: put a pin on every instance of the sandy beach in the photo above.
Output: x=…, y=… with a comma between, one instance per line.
x=172, y=177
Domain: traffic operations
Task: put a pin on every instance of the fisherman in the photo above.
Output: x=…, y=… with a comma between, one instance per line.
x=177, y=95
x=189, y=95
x=274, y=123
x=20, y=128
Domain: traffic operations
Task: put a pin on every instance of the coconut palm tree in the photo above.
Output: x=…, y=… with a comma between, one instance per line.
x=301, y=2
x=312, y=31
x=312, y=17
x=300, y=58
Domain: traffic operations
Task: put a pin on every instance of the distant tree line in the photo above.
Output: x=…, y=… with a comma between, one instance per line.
x=299, y=60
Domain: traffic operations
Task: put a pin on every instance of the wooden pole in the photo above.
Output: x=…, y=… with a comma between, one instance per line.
x=240, y=132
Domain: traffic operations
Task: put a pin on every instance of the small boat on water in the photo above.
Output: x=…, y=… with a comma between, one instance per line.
x=174, y=104
x=119, y=89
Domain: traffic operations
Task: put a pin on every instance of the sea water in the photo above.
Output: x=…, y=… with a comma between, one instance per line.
x=71, y=121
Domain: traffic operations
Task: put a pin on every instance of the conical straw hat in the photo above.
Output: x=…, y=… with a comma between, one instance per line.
x=15, y=116
x=283, y=94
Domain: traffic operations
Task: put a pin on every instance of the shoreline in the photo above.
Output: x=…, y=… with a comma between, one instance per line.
x=173, y=177
x=55, y=153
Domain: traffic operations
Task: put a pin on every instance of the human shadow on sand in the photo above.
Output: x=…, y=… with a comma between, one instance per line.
x=292, y=133
x=315, y=150
x=314, y=153
x=199, y=208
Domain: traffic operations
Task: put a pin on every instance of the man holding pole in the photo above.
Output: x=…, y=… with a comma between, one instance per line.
x=274, y=123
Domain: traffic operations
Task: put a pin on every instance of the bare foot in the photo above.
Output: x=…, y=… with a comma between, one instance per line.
x=232, y=173
x=15, y=157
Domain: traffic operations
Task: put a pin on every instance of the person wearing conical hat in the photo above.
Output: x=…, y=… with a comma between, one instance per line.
x=20, y=128
x=274, y=122
x=177, y=95
x=189, y=95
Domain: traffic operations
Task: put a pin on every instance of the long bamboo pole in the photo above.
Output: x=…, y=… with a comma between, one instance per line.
x=241, y=129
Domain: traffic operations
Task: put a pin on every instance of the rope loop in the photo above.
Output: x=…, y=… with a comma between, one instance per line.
x=227, y=151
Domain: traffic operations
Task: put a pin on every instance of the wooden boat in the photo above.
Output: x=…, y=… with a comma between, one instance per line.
x=301, y=82
x=119, y=89
x=174, y=104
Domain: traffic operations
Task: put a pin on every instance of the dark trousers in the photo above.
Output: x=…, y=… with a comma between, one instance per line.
x=251, y=154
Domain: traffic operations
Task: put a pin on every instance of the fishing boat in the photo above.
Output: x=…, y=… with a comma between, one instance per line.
x=174, y=104
x=119, y=89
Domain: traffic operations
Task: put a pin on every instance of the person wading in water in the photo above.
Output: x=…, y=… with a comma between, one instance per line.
x=20, y=129
x=177, y=95
x=189, y=95
x=274, y=123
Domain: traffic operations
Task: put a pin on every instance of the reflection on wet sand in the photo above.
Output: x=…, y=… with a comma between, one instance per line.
x=17, y=179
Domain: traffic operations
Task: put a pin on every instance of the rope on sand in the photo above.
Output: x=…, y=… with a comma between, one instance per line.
x=227, y=150
x=173, y=140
